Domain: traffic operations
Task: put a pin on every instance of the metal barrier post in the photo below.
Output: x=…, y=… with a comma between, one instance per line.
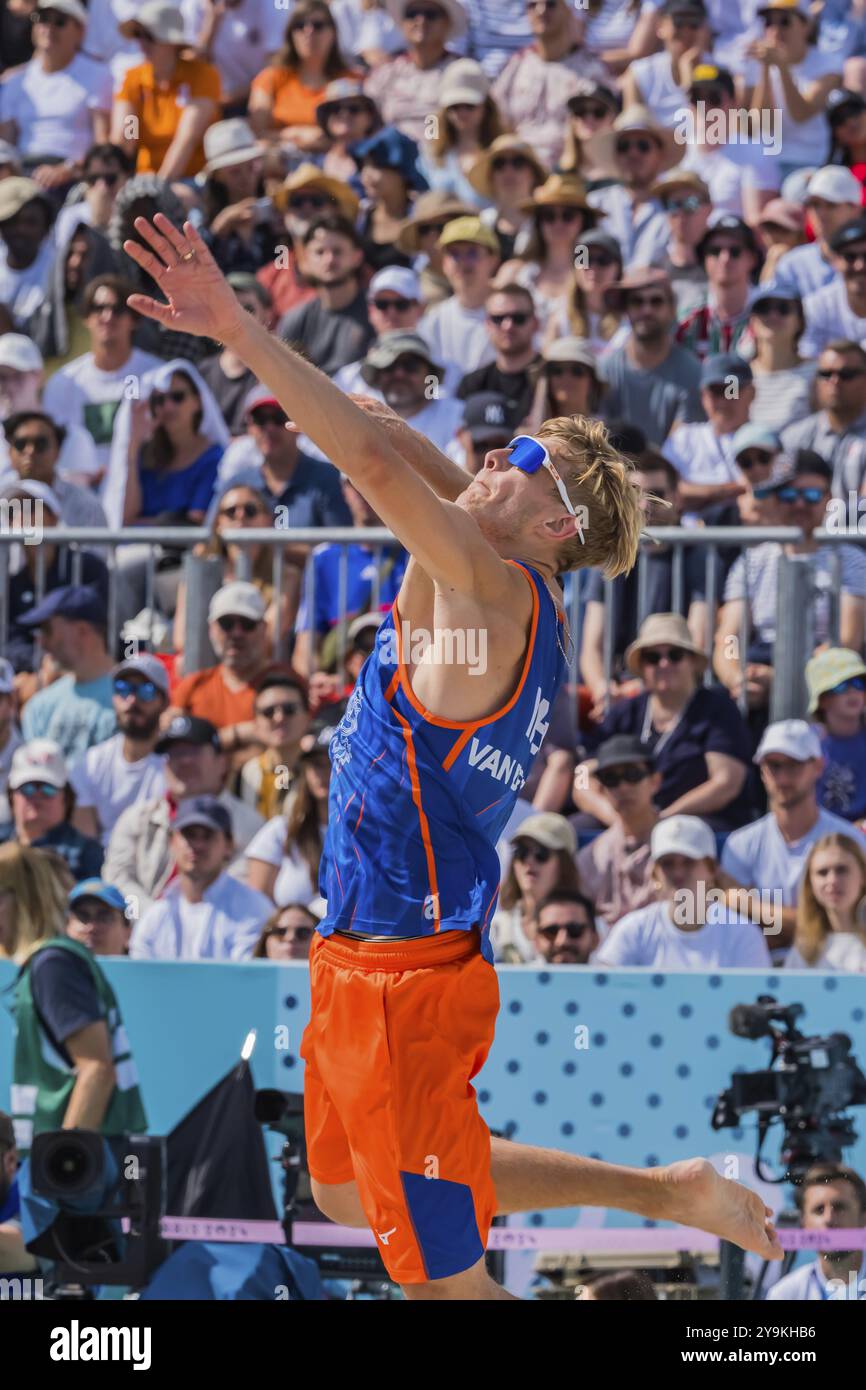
x=795, y=639
x=202, y=575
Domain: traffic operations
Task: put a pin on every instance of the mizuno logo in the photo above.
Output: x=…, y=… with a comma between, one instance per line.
x=383, y=1235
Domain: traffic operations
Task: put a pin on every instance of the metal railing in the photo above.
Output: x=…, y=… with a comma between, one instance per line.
x=203, y=576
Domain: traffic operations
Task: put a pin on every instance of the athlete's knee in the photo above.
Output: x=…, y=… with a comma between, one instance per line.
x=474, y=1283
x=339, y=1202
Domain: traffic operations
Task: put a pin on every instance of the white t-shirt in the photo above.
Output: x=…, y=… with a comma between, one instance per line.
x=809, y=1284
x=53, y=111
x=82, y=395
x=102, y=778
x=757, y=856
x=806, y=142
x=293, y=883
x=728, y=169
x=225, y=925
x=22, y=291
x=455, y=334
x=244, y=41
x=805, y=268
x=842, y=951
x=829, y=315
x=650, y=937
x=700, y=455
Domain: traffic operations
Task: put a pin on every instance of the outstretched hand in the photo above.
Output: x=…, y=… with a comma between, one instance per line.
x=200, y=299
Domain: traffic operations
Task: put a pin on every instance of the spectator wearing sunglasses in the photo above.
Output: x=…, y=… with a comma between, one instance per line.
x=755, y=451
x=838, y=310
x=836, y=679
x=283, y=859
x=800, y=494
x=175, y=441
x=614, y=868
x=535, y=84
x=224, y=694
x=512, y=325
x=173, y=99
x=833, y=199
x=695, y=732
x=542, y=861
x=76, y=709
x=739, y=176
x=42, y=801
x=591, y=111
x=284, y=95
x=703, y=453
x=564, y=929
x=660, y=81
x=55, y=107
x=287, y=934
x=97, y=918
x=400, y=367
x=651, y=378
x=588, y=313
x=407, y=88
x=685, y=928
x=106, y=168
x=347, y=115
x=837, y=429
x=394, y=303
x=686, y=202
x=790, y=78
x=569, y=381
x=731, y=257
x=560, y=217
x=281, y=717
x=86, y=393
x=468, y=123
x=784, y=380
x=390, y=175
x=505, y=176
x=640, y=150
x=36, y=444
x=123, y=769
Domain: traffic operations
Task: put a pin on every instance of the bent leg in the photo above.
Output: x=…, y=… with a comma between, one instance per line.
x=474, y=1284
x=340, y=1202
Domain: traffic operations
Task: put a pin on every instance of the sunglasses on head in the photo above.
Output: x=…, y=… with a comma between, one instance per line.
x=39, y=443
x=159, y=398
x=139, y=690
x=398, y=305
x=232, y=621
x=612, y=776
x=810, y=495
x=641, y=143
x=843, y=373
x=690, y=203
x=549, y=217
x=754, y=458
x=518, y=318
x=289, y=708
x=589, y=111
x=654, y=656
x=31, y=789
x=853, y=683
x=299, y=934
x=574, y=930
x=530, y=849
x=242, y=511
x=510, y=161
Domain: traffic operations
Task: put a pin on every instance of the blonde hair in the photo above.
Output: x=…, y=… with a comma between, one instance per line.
x=31, y=877
x=579, y=320
x=600, y=483
x=813, y=925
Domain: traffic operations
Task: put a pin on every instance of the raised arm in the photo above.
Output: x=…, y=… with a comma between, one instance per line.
x=445, y=541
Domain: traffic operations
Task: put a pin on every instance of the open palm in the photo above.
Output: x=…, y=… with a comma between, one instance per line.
x=200, y=300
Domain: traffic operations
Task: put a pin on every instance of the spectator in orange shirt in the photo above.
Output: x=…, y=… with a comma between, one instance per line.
x=284, y=96
x=173, y=99
x=225, y=694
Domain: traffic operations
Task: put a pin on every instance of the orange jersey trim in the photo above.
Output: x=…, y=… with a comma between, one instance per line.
x=415, y=783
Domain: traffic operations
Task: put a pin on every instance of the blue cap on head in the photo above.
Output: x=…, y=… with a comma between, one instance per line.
x=98, y=888
x=81, y=602
x=719, y=369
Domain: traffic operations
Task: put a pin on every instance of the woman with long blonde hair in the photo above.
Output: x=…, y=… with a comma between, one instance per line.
x=831, y=911
x=32, y=900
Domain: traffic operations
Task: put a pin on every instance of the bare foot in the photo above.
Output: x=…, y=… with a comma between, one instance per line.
x=699, y=1197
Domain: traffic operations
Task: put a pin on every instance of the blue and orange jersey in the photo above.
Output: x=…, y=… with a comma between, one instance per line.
x=418, y=802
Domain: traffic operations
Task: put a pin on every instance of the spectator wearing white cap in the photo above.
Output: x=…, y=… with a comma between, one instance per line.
x=21, y=382
x=838, y=309
x=205, y=914
x=543, y=850
x=240, y=227
x=42, y=802
x=225, y=694
x=58, y=105
x=10, y=735
x=833, y=197
x=468, y=123
x=770, y=854
x=394, y=302
x=837, y=429
x=690, y=926
x=124, y=768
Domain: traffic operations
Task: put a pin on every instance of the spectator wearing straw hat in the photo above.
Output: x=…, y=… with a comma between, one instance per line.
x=407, y=88
x=560, y=216
x=685, y=199
x=468, y=123
x=346, y=114
x=695, y=732
x=833, y=198
x=836, y=679
x=534, y=86
x=505, y=176
x=168, y=100
x=306, y=195
x=640, y=150
x=456, y=329
x=419, y=239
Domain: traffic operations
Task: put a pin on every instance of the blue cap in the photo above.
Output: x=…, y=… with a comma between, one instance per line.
x=722, y=366
x=755, y=437
x=98, y=888
x=203, y=810
x=774, y=289
x=82, y=602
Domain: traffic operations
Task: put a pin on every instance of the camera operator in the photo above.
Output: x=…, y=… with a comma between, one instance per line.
x=14, y=1259
x=830, y=1197
x=72, y=1068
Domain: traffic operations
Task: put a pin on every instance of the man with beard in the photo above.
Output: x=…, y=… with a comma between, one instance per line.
x=124, y=769
x=565, y=931
x=14, y=1259
x=831, y=1197
x=650, y=378
x=333, y=329
x=400, y=366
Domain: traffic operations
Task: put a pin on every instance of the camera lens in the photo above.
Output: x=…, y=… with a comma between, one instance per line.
x=70, y=1167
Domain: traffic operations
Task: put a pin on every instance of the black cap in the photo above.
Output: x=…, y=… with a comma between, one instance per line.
x=206, y=811
x=850, y=232
x=733, y=226
x=590, y=90
x=627, y=438
x=683, y=7
x=188, y=728
x=792, y=465
x=842, y=102
x=622, y=749
x=489, y=415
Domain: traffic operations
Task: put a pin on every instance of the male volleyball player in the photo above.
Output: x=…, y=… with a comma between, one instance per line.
x=427, y=764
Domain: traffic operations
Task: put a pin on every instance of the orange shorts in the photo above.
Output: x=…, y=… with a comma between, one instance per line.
x=396, y=1034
